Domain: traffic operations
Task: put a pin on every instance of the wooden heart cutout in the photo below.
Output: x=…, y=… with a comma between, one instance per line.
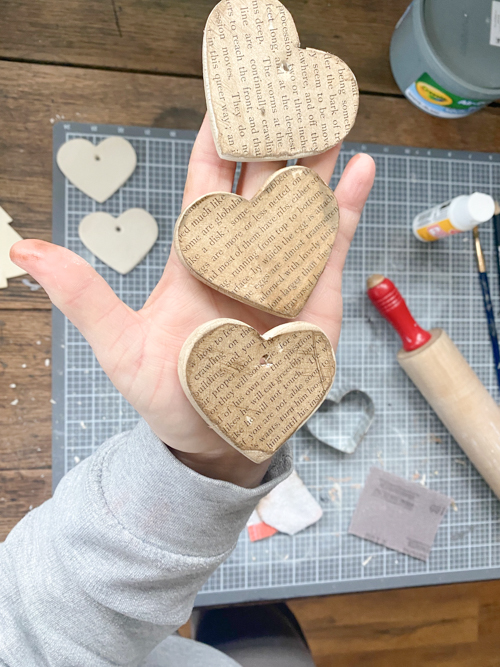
x=344, y=419
x=267, y=98
x=256, y=391
x=100, y=170
x=268, y=252
x=120, y=242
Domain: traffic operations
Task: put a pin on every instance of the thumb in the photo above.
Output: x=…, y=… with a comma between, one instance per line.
x=78, y=291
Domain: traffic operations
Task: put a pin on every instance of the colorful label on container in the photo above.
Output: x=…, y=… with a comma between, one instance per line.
x=428, y=95
x=437, y=230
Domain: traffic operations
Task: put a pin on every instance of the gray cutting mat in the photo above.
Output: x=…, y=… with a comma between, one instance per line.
x=440, y=283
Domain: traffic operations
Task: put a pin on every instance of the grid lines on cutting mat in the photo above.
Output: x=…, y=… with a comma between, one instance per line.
x=440, y=284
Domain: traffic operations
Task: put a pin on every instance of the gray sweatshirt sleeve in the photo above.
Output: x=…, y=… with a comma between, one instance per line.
x=110, y=566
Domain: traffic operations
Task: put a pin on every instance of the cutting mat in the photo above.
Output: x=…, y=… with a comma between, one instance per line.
x=440, y=283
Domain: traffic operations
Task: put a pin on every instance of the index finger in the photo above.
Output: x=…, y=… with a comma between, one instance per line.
x=207, y=172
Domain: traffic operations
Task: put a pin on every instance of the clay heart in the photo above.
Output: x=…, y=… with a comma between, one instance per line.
x=267, y=98
x=121, y=242
x=346, y=425
x=268, y=252
x=98, y=171
x=256, y=391
x=8, y=236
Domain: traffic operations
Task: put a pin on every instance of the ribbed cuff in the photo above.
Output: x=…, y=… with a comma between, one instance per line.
x=166, y=504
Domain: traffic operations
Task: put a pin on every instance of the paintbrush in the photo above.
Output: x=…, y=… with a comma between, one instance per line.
x=496, y=230
x=488, y=307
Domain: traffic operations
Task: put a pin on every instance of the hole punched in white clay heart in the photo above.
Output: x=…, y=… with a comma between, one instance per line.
x=267, y=98
x=256, y=406
x=121, y=242
x=268, y=252
x=100, y=170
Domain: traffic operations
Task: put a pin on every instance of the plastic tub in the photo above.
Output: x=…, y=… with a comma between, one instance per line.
x=445, y=55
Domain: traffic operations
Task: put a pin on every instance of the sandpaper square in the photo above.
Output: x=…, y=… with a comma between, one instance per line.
x=398, y=514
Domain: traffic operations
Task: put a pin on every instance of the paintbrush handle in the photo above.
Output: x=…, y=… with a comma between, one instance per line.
x=387, y=299
x=490, y=318
x=496, y=230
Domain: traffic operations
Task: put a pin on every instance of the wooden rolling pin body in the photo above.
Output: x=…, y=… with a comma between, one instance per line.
x=446, y=380
x=459, y=399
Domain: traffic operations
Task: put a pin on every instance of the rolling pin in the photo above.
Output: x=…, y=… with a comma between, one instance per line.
x=450, y=386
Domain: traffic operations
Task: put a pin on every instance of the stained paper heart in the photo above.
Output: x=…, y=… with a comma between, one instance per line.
x=268, y=252
x=266, y=97
x=256, y=391
x=121, y=242
x=344, y=419
x=100, y=170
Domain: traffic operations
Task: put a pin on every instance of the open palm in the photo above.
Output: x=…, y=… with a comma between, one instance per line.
x=139, y=350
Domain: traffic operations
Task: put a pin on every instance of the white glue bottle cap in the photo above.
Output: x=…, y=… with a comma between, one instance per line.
x=468, y=211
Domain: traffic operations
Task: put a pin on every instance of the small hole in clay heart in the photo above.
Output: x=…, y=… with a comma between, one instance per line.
x=265, y=361
x=118, y=229
x=285, y=67
x=97, y=158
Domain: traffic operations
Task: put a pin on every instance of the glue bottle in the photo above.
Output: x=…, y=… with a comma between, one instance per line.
x=453, y=216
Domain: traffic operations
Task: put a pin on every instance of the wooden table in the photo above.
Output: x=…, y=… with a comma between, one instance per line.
x=138, y=62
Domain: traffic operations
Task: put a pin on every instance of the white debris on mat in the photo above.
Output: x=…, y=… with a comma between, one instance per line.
x=33, y=286
x=290, y=507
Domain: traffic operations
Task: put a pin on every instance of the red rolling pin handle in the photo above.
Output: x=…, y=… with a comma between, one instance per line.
x=388, y=301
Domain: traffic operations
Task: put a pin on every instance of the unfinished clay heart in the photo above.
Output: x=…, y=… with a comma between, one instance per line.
x=256, y=391
x=344, y=419
x=268, y=252
x=8, y=236
x=267, y=98
x=100, y=170
x=121, y=242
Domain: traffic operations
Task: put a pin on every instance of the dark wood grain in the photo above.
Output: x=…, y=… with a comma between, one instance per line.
x=20, y=492
x=25, y=428
x=162, y=36
x=437, y=626
x=31, y=96
x=388, y=620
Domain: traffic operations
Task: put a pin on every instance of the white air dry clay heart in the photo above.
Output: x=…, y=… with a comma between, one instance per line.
x=121, y=242
x=100, y=170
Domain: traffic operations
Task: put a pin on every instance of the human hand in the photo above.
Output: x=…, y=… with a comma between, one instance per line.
x=139, y=350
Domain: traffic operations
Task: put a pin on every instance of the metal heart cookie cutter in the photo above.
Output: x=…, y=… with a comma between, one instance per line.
x=343, y=419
